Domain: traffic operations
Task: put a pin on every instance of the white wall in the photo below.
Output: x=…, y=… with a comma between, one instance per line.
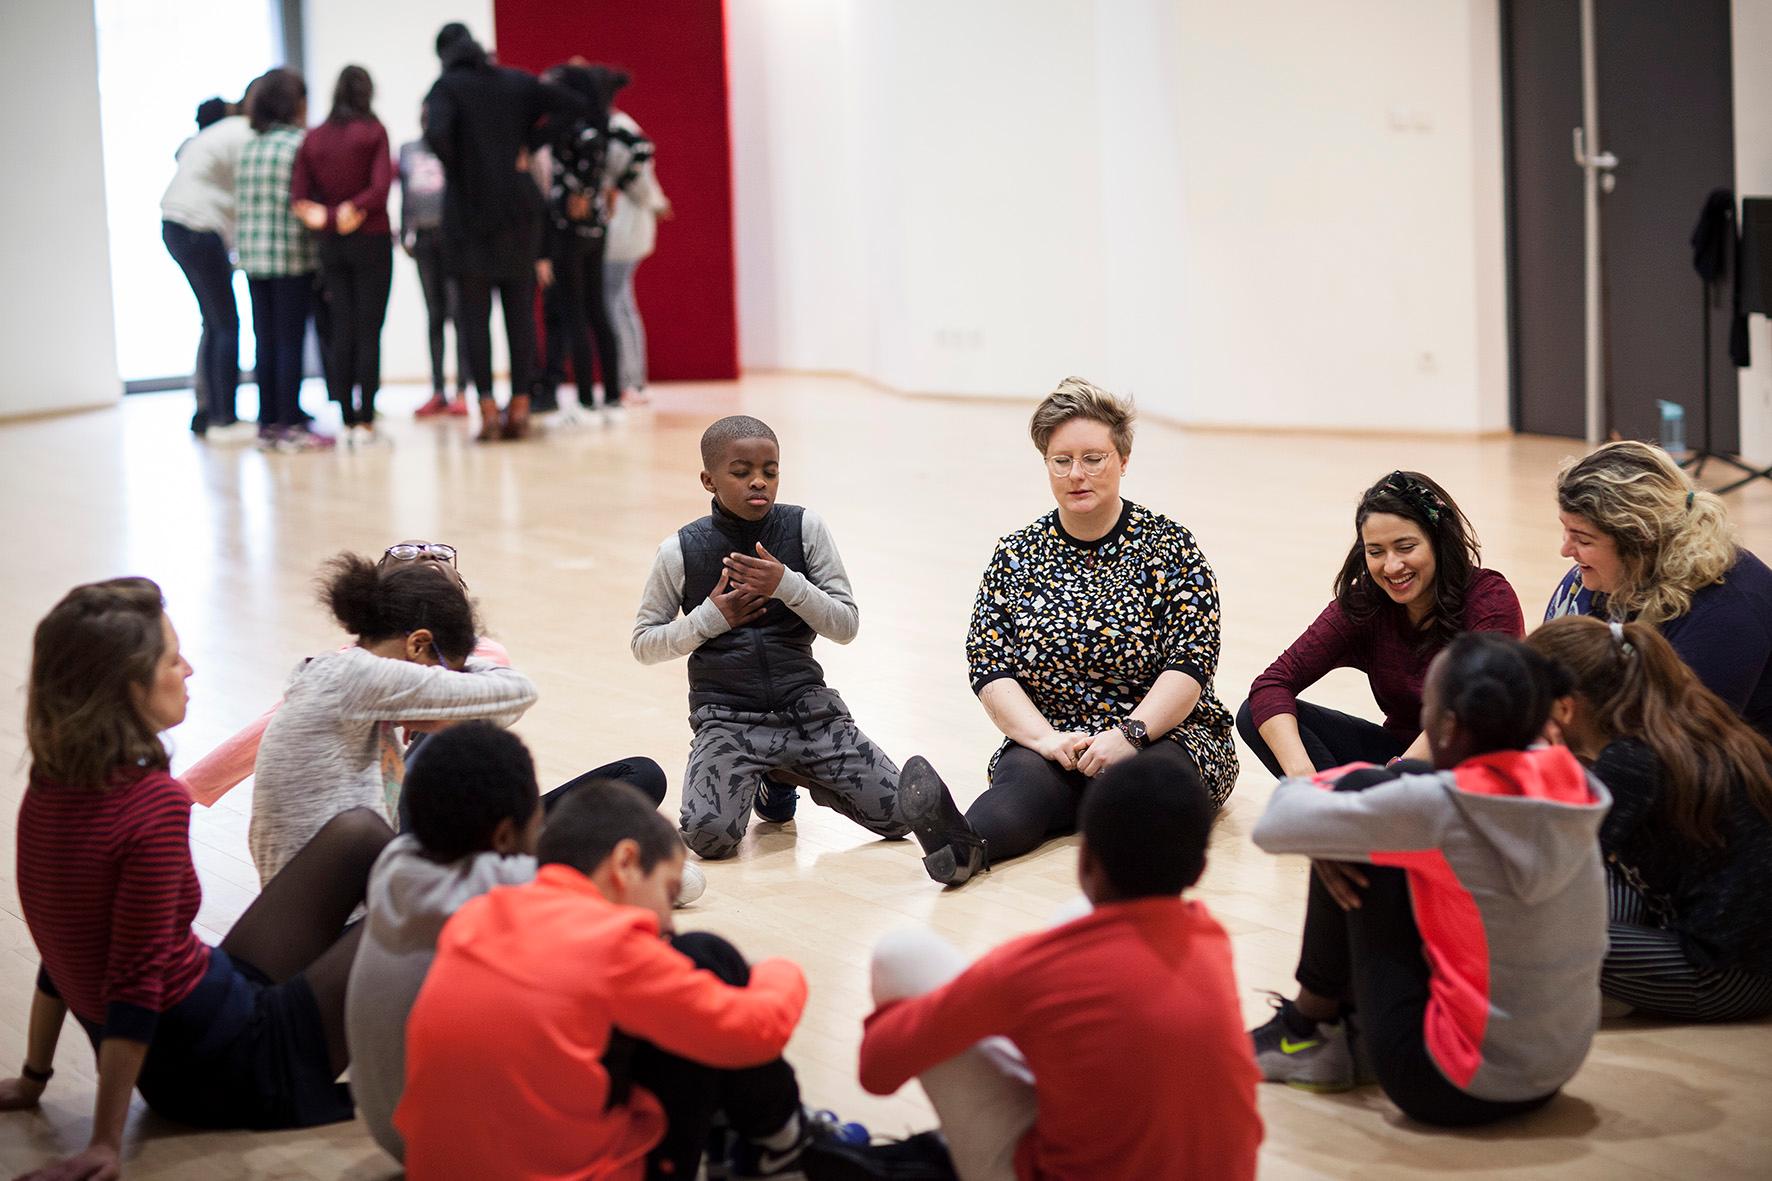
x=57, y=336
x=1751, y=35
x=1274, y=212
x=394, y=40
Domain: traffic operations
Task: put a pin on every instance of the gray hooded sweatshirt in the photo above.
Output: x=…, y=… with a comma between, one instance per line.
x=1503, y=860
x=410, y=898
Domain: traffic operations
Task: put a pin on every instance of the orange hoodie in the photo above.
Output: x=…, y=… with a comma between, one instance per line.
x=503, y=1048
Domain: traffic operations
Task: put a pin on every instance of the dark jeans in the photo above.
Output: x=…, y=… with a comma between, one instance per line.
x=1032, y=798
x=517, y=298
x=584, y=313
x=203, y=257
x=757, y=1101
x=1331, y=738
x=1371, y=958
x=440, y=307
x=280, y=308
x=356, y=273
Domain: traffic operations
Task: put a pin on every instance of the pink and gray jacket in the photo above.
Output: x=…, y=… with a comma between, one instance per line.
x=1502, y=856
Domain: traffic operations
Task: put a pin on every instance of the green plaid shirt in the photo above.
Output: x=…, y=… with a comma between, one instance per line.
x=270, y=240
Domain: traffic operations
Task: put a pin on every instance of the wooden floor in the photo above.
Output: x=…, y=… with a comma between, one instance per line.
x=556, y=537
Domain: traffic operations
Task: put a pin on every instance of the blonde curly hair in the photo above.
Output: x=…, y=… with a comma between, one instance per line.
x=1673, y=537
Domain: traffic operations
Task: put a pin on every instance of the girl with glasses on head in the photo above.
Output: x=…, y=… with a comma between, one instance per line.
x=1412, y=580
x=1094, y=641
x=1688, y=841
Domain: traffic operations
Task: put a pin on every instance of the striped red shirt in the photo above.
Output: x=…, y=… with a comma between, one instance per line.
x=109, y=893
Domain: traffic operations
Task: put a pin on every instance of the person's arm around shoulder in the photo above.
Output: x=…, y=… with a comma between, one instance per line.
x=661, y=632
x=1399, y=814
x=902, y=1039
x=822, y=596
x=657, y=993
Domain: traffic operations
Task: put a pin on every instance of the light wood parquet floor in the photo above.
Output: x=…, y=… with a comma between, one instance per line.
x=557, y=535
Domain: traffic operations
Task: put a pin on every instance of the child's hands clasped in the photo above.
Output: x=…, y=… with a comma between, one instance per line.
x=738, y=604
x=760, y=575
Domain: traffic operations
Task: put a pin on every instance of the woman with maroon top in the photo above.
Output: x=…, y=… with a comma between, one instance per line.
x=1411, y=582
x=340, y=191
x=248, y=1034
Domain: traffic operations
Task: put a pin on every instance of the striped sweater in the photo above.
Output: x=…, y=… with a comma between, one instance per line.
x=109, y=892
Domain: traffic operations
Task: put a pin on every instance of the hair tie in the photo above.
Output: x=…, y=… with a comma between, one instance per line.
x=1624, y=645
x=1690, y=497
x=1416, y=493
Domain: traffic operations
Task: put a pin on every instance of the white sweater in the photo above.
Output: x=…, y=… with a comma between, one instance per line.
x=201, y=195
x=333, y=747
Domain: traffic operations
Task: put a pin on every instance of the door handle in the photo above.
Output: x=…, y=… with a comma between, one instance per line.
x=1604, y=161
x=1600, y=162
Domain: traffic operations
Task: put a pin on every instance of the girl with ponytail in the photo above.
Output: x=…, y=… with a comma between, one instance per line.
x=1456, y=916
x=1649, y=545
x=333, y=743
x=1688, y=842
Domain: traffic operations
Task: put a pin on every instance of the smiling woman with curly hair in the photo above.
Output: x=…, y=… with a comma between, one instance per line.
x=1652, y=547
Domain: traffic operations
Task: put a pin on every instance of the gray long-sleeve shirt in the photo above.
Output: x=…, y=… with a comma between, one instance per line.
x=822, y=597
x=332, y=745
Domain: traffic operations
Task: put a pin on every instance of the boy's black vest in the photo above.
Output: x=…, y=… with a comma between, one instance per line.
x=762, y=666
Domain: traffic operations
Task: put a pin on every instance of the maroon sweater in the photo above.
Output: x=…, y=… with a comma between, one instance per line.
x=341, y=162
x=109, y=893
x=1385, y=649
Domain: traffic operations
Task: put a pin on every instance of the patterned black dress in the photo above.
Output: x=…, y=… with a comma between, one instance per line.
x=1086, y=627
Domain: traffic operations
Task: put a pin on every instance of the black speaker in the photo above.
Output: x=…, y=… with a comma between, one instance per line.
x=1755, y=257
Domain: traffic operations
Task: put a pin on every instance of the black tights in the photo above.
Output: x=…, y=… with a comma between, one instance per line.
x=1371, y=959
x=584, y=315
x=757, y=1101
x=1330, y=737
x=1032, y=798
x=293, y=925
x=474, y=327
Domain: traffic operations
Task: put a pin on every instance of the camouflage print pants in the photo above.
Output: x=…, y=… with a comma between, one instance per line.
x=813, y=743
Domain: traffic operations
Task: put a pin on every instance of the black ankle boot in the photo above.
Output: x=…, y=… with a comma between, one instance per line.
x=952, y=852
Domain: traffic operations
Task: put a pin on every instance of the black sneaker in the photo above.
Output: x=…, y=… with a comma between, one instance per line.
x=952, y=852
x=923, y=1157
x=776, y=801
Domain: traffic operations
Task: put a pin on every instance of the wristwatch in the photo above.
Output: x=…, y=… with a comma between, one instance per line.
x=1135, y=733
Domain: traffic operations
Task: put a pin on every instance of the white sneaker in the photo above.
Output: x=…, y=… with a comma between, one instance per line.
x=363, y=435
x=695, y=884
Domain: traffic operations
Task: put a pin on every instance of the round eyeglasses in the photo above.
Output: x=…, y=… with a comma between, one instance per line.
x=412, y=551
x=1092, y=463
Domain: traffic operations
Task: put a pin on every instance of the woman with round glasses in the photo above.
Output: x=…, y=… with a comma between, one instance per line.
x=1411, y=582
x=1094, y=640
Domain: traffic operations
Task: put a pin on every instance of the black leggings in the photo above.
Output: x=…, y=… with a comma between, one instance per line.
x=1032, y=799
x=757, y=1101
x=440, y=307
x=356, y=272
x=1371, y=959
x=584, y=314
x=474, y=301
x=1330, y=737
x=294, y=924
x=638, y=772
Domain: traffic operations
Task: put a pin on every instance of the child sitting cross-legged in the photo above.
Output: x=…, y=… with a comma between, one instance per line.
x=1110, y=1047
x=562, y=1031
x=475, y=815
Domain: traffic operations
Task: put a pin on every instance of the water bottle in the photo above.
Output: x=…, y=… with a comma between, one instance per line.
x=1673, y=426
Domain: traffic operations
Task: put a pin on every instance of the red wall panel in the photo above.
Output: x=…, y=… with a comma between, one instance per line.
x=676, y=52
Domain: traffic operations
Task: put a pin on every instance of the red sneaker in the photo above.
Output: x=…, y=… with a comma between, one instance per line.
x=437, y=405
x=458, y=408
